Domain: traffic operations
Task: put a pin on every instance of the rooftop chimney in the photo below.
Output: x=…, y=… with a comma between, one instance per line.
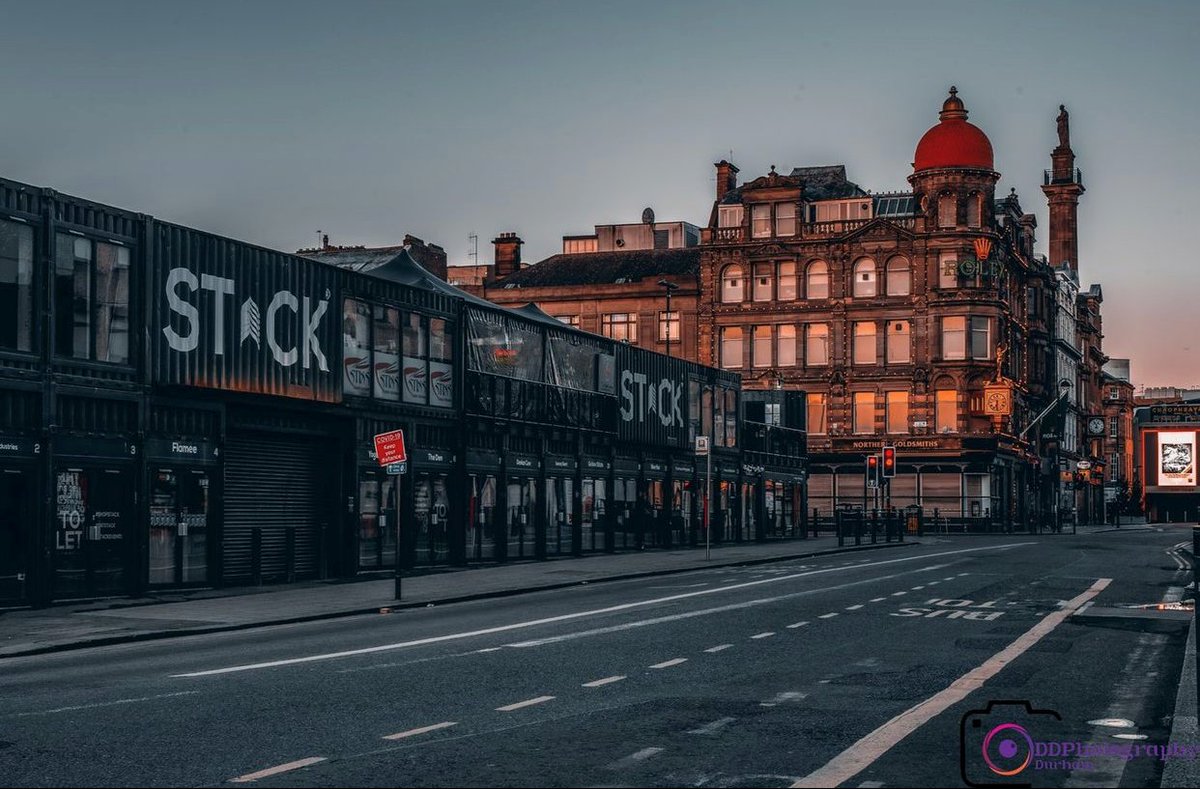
x=431, y=256
x=508, y=255
x=726, y=177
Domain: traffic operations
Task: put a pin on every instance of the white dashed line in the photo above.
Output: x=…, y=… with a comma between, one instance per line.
x=897, y=594
x=719, y=648
x=422, y=730
x=767, y=634
x=918, y=587
x=828, y=616
x=283, y=768
x=669, y=663
x=933, y=583
x=634, y=758
x=795, y=625
x=606, y=681
x=960, y=575
x=712, y=728
x=526, y=703
x=877, y=599
x=853, y=607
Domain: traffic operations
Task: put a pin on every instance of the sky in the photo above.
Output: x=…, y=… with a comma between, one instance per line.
x=269, y=122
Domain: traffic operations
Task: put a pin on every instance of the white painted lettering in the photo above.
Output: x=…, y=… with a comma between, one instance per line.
x=283, y=298
x=220, y=287
x=188, y=342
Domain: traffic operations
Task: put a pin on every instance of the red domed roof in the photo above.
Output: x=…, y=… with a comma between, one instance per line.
x=953, y=142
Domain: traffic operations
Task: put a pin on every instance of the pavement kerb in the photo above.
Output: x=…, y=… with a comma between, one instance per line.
x=1184, y=729
x=157, y=635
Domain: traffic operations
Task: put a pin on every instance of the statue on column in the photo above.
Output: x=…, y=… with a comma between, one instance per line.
x=1064, y=132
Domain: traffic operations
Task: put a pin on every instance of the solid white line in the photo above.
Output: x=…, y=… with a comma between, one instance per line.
x=795, y=625
x=422, y=730
x=579, y=614
x=719, y=648
x=712, y=728
x=102, y=704
x=768, y=634
x=870, y=748
x=853, y=607
x=283, y=768
x=606, y=681
x=669, y=663
x=526, y=703
x=827, y=616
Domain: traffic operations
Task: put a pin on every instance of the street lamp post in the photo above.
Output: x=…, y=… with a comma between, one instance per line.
x=1064, y=387
x=670, y=286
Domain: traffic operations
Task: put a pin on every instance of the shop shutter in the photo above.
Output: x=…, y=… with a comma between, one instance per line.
x=279, y=485
x=943, y=491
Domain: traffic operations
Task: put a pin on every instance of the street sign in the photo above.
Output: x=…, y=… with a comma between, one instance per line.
x=701, y=445
x=397, y=468
x=1083, y=465
x=390, y=447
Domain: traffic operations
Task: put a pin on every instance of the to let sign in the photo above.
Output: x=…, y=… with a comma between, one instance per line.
x=390, y=448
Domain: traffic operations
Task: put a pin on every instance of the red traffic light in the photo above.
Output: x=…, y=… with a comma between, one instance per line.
x=872, y=469
x=889, y=461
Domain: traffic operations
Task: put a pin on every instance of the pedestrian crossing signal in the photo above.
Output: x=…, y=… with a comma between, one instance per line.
x=872, y=470
x=889, y=461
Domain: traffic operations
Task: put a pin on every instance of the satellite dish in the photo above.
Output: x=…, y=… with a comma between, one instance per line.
x=648, y=216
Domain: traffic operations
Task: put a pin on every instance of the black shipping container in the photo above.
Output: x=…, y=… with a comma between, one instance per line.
x=227, y=315
x=653, y=395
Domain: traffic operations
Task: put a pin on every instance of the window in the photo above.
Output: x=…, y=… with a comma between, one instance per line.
x=785, y=219
x=1112, y=427
x=981, y=338
x=954, y=337
x=570, y=320
x=899, y=283
x=733, y=286
x=760, y=220
x=864, y=342
x=947, y=211
x=441, y=363
x=948, y=271
x=760, y=351
x=414, y=342
x=787, y=281
x=897, y=412
x=385, y=367
x=785, y=346
x=975, y=210
x=817, y=285
x=356, y=348
x=946, y=411
x=763, y=274
x=729, y=216
x=899, y=342
x=731, y=346
x=619, y=326
x=772, y=413
x=91, y=299
x=668, y=326
x=16, y=286
x=662, y=239
x=816, y=346
x=864, y=278
x=817, y=418
x=864, y=412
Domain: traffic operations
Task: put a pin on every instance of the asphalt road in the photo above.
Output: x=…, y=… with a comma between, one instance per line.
x=835, y=670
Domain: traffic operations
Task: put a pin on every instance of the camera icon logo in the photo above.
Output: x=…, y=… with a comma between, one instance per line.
x=995, y=744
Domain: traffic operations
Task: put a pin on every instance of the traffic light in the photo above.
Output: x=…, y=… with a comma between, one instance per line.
x=889, y=461
x=872, y=470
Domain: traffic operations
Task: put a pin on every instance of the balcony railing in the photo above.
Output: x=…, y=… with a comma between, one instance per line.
x=1074, y=178
x=738, y=235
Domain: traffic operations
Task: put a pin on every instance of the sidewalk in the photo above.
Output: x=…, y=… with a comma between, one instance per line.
x=172, y=614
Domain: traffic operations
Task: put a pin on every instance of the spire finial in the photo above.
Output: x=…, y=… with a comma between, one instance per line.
x=953, y=107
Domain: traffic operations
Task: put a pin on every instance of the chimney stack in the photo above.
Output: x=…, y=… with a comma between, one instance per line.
x=726, y=177
x=431, y=256
x=508, y=255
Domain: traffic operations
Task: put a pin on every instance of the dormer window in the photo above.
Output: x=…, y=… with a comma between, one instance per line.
x=785, y=219
x=729, y=216
x=760, y=220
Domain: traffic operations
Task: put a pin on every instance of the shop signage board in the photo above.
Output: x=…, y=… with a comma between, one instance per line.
x=390, y=448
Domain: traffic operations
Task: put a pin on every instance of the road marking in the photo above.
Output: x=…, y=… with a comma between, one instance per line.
x=718, y=648
x=57, y=710
x=634, y=758
x=960, y=575
x=488, y=649
x=422, y=730
x=853, y=607
x=283, y=768
x=870, y=748
x=915, y=588
x=932, y=583
x=526, y=703
x=795, y=625
x=828, y=616
x=582, y=614
x=897, y=594
x=767, y=634
x=669, y=663
x=712, y=728
x=877, y=599
x=606, y=681
x=783, y=698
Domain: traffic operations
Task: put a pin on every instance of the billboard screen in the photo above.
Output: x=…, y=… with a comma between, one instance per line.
x=1177, y=459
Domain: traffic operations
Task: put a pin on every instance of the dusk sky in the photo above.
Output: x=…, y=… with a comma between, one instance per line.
x=270, y=121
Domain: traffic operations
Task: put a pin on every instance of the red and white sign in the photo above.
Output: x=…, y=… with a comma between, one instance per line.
x=390, y=447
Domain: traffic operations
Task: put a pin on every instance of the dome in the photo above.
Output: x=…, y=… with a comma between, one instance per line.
x=953, y=142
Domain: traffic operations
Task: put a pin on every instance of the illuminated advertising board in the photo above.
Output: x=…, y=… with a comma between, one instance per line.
x=1177, y=459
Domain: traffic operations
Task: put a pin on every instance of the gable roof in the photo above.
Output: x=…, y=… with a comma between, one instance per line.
x=605, y=268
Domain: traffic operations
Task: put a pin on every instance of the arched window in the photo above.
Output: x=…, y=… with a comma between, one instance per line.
x=733, y=285
x=864, y=278
x=947, y=211
x=817, y=284
x=763, y=281
x=899, y=281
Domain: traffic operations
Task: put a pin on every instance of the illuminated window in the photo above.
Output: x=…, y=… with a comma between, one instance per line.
x=760, y=351
x=899, y=282
x=731, y=346
x=816, y=346
x=668, y=326
x=760, y=220
x=817, y=418
x=946, y=411
x=787, y=281
x=864, y=343
x=817, y=284
x=763, y=276
x=948, y=271
x=785, y=219
x=864, y=412
x=619, y=326
x=954, y=337
x=899, y=342
x=733, y=285
x=897, y=412
x=785, y=346
x=864, y=278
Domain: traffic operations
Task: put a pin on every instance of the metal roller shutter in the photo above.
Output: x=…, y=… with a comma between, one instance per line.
x=274, y=484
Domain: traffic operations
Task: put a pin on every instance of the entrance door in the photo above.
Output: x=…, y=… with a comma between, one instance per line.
x=14, y=534
x=91, y=527
x=179, y=512
x=522, y=518
x=483, y=519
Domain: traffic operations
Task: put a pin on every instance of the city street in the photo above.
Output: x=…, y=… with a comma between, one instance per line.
x=798, y=671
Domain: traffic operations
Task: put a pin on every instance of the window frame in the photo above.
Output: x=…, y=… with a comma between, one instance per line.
x=739, y=280
x=891, y=346
x=824, y=337
x=865, y=352
x=93, y=304
x=895, y=266
x=609, y=324
x=29, y=272
x=728, y=339
x=864, y=401
x=960, y=333
x=819, y=268
x=669, y=325
x=864, y=265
